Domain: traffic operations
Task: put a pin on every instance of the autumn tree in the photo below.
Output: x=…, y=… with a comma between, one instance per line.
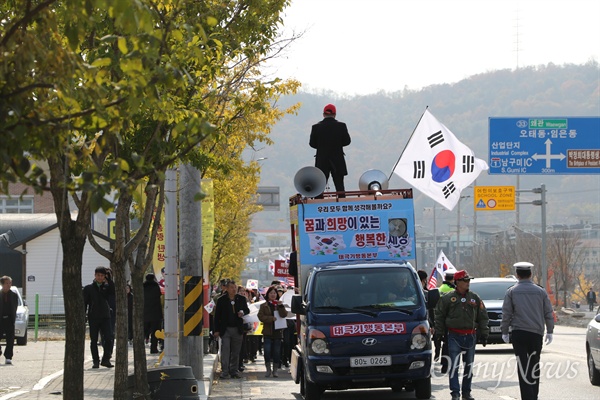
x=110, y=93
x=565, y=258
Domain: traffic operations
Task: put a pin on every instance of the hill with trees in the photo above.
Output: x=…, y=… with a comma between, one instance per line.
x=381, y=124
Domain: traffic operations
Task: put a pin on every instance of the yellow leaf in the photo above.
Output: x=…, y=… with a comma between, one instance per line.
x=101, y=62
x=177, y=35
x=122, y=43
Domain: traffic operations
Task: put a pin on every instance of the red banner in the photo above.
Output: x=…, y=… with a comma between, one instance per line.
x=282, y=269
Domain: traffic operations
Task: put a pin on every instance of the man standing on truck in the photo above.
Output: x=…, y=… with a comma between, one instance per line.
x=329, y=138
x=463, y=314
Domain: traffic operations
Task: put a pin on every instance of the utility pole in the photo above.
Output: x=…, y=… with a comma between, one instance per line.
x=171, y=356
x=190, y=260
x=542, y=202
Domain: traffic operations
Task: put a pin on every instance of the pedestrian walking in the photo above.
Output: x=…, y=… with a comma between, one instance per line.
x=591, y=299
x=267, y=314
x=9, y=301
x=230, y=309
x=329, y=137
x=153, y=311
x=463, y=315
x=96, y=302
x=527, y=309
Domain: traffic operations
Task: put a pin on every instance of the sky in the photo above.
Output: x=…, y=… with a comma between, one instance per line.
x=357, y=47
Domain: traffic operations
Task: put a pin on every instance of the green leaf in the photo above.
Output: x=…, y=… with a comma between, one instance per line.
x=72, y=34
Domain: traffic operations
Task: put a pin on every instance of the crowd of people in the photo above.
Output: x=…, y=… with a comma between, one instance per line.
x=241, y=342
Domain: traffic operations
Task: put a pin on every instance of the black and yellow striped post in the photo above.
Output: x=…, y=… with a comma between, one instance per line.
x=192, y=306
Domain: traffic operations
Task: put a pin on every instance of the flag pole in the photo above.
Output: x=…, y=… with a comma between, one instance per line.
x=406, y=145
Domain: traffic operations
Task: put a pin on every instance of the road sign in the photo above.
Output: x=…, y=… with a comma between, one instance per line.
x=544, y=145
x=494, y=198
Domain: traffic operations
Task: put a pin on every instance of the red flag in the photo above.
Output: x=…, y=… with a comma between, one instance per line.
x=432, y=282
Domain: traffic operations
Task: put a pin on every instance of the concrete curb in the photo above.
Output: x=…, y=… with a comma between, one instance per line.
x=209, y=365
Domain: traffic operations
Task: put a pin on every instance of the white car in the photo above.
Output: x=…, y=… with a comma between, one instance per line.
x=592, y=349
x=22, y=319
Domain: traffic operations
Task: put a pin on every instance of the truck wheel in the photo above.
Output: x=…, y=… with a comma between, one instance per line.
x=423, y=388
x=310, y=390
x=22, y=341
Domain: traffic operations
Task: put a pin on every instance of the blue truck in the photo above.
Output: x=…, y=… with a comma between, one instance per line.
x=362, y=313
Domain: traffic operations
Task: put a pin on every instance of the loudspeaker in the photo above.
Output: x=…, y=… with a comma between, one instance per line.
x=373, y=179
x=310, y=181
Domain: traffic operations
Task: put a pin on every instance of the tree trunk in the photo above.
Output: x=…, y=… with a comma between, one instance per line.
x=119, y=259
x=73, y=235
x=72, y=246
x=122, y=358
x=142, y=390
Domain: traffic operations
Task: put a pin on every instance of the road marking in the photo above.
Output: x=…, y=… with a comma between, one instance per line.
x=13, y=394
x=44, y=381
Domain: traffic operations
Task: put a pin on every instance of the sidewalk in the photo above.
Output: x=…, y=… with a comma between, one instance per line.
x=99, y=383
x=253, y=385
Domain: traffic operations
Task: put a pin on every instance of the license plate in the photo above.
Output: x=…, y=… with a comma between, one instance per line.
x=373, y=361
x=494, y=329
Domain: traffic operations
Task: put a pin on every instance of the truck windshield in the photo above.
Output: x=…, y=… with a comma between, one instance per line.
x=375, y=288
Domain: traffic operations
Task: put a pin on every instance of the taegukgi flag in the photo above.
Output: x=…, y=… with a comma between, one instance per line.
x=437, y=163
x=443, y=265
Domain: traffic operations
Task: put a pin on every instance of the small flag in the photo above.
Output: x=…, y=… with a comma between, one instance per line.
x=272, y=267
x=443, y=265
x=437, y=163
x=432, y=282
x=252, y=284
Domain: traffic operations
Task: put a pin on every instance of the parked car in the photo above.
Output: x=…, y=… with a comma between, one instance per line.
x=492, y=291
x=592, y=349
x=22, y=319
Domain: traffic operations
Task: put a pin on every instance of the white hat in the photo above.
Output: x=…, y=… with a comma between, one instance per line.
x=523, y=265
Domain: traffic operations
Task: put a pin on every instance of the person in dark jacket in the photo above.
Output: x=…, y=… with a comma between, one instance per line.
x=229, y=327
x=329, y=137
x=96, y=302
x=153, y=311
x=272, y=337
x=9, y=301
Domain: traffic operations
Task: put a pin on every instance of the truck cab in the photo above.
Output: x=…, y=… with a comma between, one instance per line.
x=362, y=315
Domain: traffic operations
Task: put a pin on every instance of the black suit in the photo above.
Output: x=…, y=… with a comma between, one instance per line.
x=9, y=301
x=329, y=137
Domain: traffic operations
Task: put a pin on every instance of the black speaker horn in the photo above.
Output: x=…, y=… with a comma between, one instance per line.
x=310, y=181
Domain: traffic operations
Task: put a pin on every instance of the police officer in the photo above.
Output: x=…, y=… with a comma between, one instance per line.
x=463, y=314
x=448, y=285
x=526, y=309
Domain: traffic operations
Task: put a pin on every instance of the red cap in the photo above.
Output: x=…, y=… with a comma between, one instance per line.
x=462, y=275
x=329, y=109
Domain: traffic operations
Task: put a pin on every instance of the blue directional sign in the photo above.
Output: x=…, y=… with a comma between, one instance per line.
x=544, y=145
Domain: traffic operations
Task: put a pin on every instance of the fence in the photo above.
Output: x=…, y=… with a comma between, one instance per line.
x=46, y=312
